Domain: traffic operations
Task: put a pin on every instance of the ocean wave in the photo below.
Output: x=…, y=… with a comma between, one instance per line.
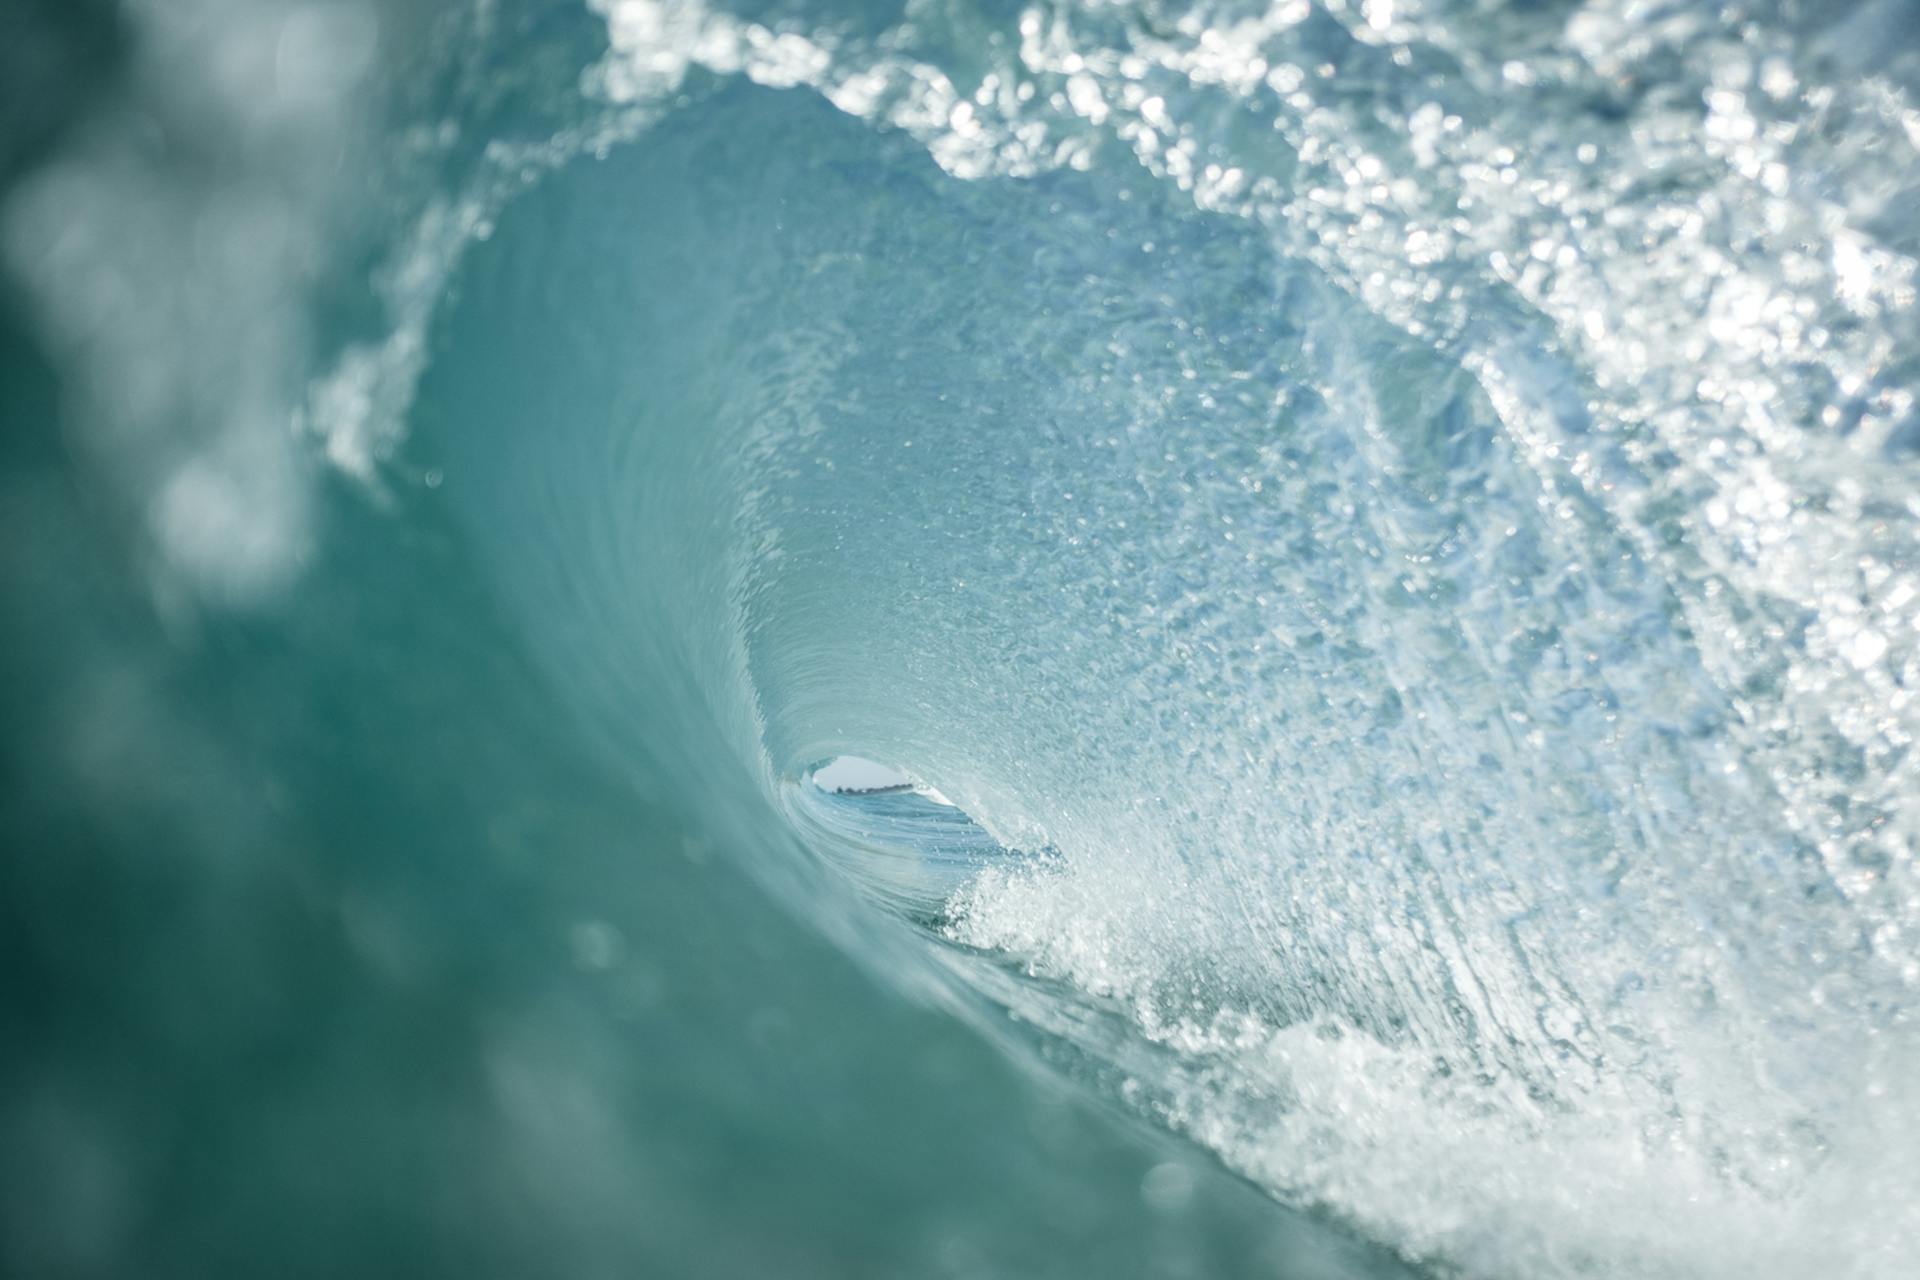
x=1392, y=523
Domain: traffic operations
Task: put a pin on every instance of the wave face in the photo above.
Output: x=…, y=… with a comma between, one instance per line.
x=1394, y=523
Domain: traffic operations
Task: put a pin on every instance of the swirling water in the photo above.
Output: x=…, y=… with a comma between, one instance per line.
x=1393, y=523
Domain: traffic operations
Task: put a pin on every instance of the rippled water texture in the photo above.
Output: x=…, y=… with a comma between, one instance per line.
x=1386, y=534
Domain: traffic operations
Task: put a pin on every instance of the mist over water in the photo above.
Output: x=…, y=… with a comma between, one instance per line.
x=1392, y=525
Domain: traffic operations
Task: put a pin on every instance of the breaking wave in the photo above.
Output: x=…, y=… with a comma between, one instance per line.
x=1394, y=524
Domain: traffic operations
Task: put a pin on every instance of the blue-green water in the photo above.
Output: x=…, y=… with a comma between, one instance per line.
x=1393, y=524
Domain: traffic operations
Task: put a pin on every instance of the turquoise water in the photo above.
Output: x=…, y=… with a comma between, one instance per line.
x=1385, y=534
